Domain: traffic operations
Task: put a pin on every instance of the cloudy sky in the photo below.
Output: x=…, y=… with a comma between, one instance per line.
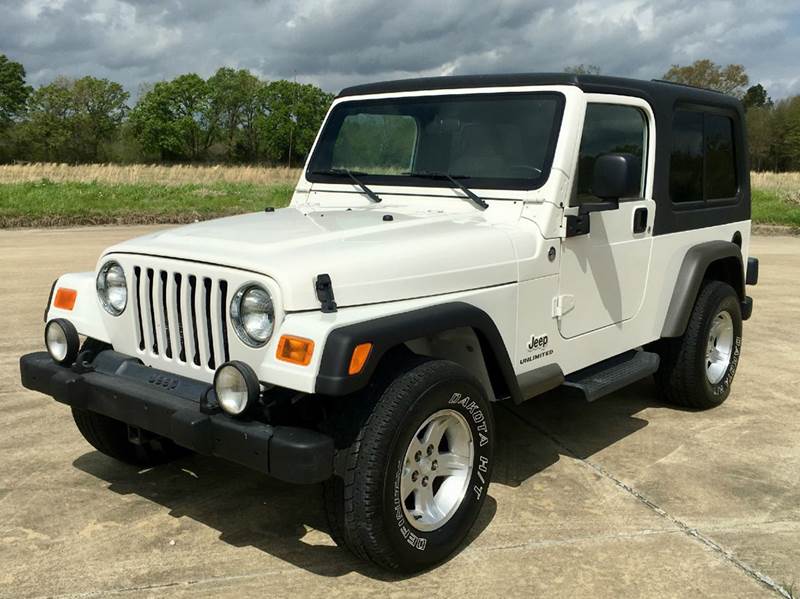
x=335, y=43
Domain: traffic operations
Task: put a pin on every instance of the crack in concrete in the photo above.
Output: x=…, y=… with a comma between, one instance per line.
x=574, y=540
x=153, y=587
x=691, y=532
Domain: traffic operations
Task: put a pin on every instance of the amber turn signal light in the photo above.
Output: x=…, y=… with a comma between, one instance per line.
x=65, y=298
x=295, y=350
x=359, y=358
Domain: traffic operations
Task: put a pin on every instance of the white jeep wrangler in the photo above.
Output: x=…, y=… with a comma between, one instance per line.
x=453, y=242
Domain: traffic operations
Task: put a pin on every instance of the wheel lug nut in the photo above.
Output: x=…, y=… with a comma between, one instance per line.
x=418, y=456
x=424, y=481
x=430, y=449
x=414, y=476
x=434, y=465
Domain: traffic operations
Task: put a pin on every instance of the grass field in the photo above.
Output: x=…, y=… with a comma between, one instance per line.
x=776, y=199
x=45, y=195
x=47, y=204
x=42, y=195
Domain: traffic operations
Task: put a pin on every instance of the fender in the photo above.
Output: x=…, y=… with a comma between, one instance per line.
x=693, y=270
x=86, y=314
x=389, y=331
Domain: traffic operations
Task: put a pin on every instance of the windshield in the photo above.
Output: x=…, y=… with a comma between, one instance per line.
x=492, y=141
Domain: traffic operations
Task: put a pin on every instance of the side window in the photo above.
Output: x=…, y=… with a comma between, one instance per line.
x=720, y=181
x=609, y=129
x=703, y=160
x=355, y=146
x=686, y=161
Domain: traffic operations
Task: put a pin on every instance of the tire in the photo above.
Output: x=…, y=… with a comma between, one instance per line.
x=110, y=437
x=684, y=377
x=366, y=510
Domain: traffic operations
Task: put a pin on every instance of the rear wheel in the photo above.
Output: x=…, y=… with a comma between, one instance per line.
x=414, y=471
x=697, y=369
x=110, y=437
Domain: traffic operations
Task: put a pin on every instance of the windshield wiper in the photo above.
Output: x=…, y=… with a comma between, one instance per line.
x=352, y=174
x=454, y=179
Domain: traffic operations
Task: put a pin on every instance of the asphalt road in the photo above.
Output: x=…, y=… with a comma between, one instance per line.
x=621, y=497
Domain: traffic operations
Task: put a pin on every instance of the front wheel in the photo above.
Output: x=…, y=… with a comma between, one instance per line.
x=413, y=475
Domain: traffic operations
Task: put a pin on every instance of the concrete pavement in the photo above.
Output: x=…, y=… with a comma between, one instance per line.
x=619, y=497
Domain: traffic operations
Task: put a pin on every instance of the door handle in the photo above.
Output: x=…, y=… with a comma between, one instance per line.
x=640, y=220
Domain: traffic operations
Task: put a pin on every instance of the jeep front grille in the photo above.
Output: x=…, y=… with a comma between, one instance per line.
x=180, y=316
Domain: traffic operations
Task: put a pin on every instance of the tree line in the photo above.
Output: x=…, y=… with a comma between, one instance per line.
x=234, y=116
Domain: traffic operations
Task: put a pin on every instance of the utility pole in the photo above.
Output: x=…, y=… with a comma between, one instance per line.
x=291, y=129
x=292, y=120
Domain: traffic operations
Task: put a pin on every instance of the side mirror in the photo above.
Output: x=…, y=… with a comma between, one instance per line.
x=616, y=176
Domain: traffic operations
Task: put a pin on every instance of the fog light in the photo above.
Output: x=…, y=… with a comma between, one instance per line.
x=61, y=340
x=236, y=386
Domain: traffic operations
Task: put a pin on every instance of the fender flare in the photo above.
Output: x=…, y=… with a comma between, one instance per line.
x=690, y=277
x=387, y=332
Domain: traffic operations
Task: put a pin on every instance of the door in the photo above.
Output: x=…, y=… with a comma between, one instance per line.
x=604, y=272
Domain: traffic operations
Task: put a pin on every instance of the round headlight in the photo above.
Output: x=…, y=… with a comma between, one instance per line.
x=253, y=315
x=112, y=289
x=236, y=386
x=62, y=341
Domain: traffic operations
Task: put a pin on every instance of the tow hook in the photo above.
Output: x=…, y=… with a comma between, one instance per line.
x=83, y=363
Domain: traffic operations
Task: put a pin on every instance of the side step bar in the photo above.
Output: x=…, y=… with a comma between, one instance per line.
x=613, y=374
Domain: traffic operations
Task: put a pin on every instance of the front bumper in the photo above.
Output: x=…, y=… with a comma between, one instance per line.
x=121, y=387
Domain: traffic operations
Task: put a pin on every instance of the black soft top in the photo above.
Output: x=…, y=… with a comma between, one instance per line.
x=652, y=90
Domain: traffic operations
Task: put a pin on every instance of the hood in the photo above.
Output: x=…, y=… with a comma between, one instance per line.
x=372, y=255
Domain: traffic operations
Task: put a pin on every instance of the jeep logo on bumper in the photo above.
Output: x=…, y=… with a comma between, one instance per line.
x=161, y=380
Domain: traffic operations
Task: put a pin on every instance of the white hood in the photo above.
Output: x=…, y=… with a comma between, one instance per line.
x=369, y=259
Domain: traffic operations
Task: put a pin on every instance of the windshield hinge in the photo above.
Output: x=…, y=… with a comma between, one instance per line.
x=562, y=304
x=324, y=288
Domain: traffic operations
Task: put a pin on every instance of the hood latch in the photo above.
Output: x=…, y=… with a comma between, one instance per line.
x=324, y=288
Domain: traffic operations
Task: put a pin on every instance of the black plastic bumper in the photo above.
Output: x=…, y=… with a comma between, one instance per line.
x=751, y=275
x=120, y=387
x=747, y=308
x=751, y=278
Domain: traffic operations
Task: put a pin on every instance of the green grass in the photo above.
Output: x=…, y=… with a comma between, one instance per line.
x=774, y=208
x=43, y=203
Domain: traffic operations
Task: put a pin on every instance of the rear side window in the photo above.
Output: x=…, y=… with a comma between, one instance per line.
x=720, y=181
x=609, y=129
x=686, y=163
x=703, y=160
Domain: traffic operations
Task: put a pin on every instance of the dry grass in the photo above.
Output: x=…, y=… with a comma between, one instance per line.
x=787, y=185
x=145, y=173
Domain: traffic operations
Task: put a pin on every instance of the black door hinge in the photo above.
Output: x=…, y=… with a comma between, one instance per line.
x=325, y=293
x=577, y=224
